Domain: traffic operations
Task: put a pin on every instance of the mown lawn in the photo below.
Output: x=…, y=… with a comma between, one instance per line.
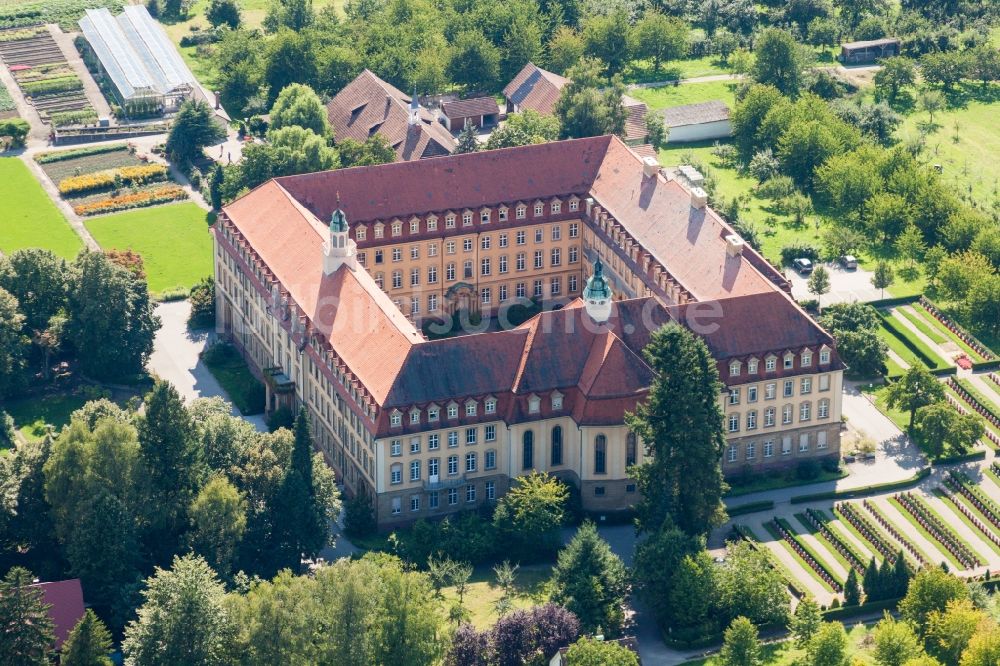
x=482, y=593
x=786, y=654
x=173, y=240
x=33, y=415
x=687, y=93
x=28, y=218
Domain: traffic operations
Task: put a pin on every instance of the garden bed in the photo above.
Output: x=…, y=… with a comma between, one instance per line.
x=44, y=76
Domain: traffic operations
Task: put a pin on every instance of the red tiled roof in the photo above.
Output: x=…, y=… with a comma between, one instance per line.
x=535, y=88
x=635, y=119
x=384, y=191
x=368, y=105
x=464, y=108
x=645, y=150
x=65, y=598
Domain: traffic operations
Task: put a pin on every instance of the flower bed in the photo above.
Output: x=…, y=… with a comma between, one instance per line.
x=979, y=404
x=923, y=516
x=51, y=86
x=128, y=201
x=103, y=180
x=65, y=118
x=868, y=532
x=972, y=517
x=887, y=525
x=782, y=529
x=816, y=519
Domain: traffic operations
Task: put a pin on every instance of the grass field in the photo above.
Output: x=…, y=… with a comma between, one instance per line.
x=173, y=240
x=689, y=93
x=482, y=593
x=31, y=416
x=786, y=654
x=29, y=218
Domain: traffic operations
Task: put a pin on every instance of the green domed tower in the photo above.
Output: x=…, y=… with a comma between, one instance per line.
x=597, y=294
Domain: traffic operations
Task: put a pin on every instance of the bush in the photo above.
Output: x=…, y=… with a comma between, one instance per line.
x=776, y=188
x=865, y=491
x=17, y=129
x=790, y=253
x=465, y=537
x=808, y=470
x=52, y=86
x=129, y=201
x=831, y=465
x=359, y=515
x=112, y=178
x=202, y=303
x=282, y=417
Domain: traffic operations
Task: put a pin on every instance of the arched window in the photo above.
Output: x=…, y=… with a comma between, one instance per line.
x=557, y=445
x=600, y=454
x=528, y=450
x=630, y=449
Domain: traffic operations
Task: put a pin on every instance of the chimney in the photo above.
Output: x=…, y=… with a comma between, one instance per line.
x=650, y=167
x=218, y=104
x=698, y=197
x=734, y=245
x=590, y=204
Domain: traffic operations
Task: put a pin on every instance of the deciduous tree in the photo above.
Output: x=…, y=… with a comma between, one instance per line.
x=915, y=389
x=779, y=61
x=299, y=105
x=530, y=514
x=218, y=521
x=896, y=643
x=591, y=652
x=741, y=645
x=930, y=590
x=194, y=128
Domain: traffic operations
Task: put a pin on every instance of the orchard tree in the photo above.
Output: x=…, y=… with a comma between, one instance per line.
x=882, y=276
x=299, y=105
x=819, y=284
x=915, y=389
x=895, y=74
x=681, y=426
x=945, y=67
x=660, y=38
x=26, y=628
x=939, y=425
x=931, y=101
x=750, y=114
x=183, y=619
x=608, y=37
x=591, y=582
x=910, y=245
x=194, y=128
x=778, y=61
x=88, y=644
x=224, y=13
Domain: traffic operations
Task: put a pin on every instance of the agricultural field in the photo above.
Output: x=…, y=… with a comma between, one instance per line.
x=30, y=219
x=173, y=240
x=108, y=179
x=44, y=76
x=20, y=13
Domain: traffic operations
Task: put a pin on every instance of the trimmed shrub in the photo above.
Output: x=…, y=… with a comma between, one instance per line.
x=790, y=253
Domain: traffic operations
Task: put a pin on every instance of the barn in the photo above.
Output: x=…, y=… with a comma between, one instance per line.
x=477, y=112
x=863, y=53
x=697, y=122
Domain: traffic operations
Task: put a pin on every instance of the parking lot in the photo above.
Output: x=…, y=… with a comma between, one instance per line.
x=846, y=286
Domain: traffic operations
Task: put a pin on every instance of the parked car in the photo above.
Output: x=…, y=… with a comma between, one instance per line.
x=803, y=266
x=848, y=261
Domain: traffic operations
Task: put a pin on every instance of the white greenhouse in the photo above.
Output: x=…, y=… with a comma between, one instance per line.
x=144, y=69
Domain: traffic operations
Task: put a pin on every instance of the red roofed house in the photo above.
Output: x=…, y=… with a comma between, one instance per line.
x=368, y=105
x=65, y=600
x=324, y=279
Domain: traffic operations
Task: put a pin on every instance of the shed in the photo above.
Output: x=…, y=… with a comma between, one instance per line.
x=65, y=601
x=478, y=112
x=697, y=122
x=861, y=53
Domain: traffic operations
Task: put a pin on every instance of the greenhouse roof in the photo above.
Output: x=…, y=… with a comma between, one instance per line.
x=135, y=52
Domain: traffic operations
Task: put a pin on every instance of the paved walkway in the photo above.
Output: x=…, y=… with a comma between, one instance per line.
x=175, y=358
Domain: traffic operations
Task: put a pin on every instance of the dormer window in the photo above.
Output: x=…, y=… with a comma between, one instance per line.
x=491, y=406
x=824, y=356
x=734, y=369
x=449, y=221
x=433, y=414
x=556, y=206
x=379, y=230
x=470, y=408
x=467, y=218
x=557, y=401
x=432, y=223
x=539, y=209
x=534, y=404
x=503, y=213
x=807, y=358
x=452, y=411
x=414, y=226
x=397, y=228
x=771, y=363
x=396, y=419
x=574, y=204
x=752, y=366
x=484, y=216
x=789, y=361
x=415, y=416
x=521, y=211
x=360, y=233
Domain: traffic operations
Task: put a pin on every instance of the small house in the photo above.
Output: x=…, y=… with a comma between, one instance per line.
x=534, y=88
x=477, y=112
x=66, y=608
x=863, y=53
x=697, y=122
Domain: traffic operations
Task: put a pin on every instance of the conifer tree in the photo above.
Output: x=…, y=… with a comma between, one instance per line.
x=26, y=629
x=901, y=575
x=852, y=589
x=89, y=644
x=741, y=644
x=591, y=581
x=872, y=583
x=467, y=142
x=304, y=523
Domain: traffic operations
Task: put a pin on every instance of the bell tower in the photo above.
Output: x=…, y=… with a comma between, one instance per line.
x=414, y=110
x=597, y=295
x=339, y=248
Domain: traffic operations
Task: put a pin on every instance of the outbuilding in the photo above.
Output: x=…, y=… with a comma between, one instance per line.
x=697, y=122
x=477, y=112
x=863, y=53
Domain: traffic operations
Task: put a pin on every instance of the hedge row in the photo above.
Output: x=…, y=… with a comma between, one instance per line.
x=751, y=507
x=60, y=155
x=961, y=457
x=864, y=491
x=916, y=346
x=899, y=300
x=864, y=609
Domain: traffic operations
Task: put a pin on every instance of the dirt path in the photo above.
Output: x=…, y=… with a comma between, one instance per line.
x=72, y=56
x=694, y=79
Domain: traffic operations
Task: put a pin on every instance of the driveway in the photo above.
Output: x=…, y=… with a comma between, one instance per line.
x=175, y=358
x=845, y=286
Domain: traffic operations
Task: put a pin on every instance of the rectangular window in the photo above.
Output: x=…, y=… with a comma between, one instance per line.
x=502, y=241
x=432, y=275
x=824, y=382
x=733, y=451
x=396, y=447
x=432, y=303
x=770, y=364
x=433, y=467
x=470, y=462
x=503, y=264
x=574, y=228
x=537, y=291
x=449, y=222
x=415, y=305
x=519, y=237
x=769, y=448
x=484, y=217
x=432, y=500
x=452, y=496
x=574, y=254
x=378, y=256
x=751, y=450
x=452, y=465
x=769, y=417
x=491, y=406
x=467, y=245
x=470, y=493
x=805, y=411
x=599, y=491
x=396, y=474
x=519, y=212
x=769, y=391
x=821, y=439
x=415, y=503
x=484, y=242
x=415, y=441
x=824, y=357
x=467, y=270
x=556, y=258
x=519, y=261
x=485, y=266
x=789, y=362
x=491, y=490
x=397, y=280
x=539, y=259
x=751, y=394
x=786, y=445
x=519, y=290
x=789, y=389
x=414, y=277
x=415, y=470
x=432, y=223
x=433, y=441
x=573, y=284
x=734, y=396
x=491, y=459
x=786, y=414
x=453, y=437
x=503, y=214
x=556, y=229
x=414, y=226
x=803, y=442
x=397, y=505
x=470, y=435
x=806, y=385
x=823, y=411
x=466, y=219
x=734, y=423
x=449, y=272
x=415, y=252
x=363, y=258
x=470, y=408
x=503, y=292
x=491, y=433
x=555, y=286
x=449, y=247
x=751, y=420
x=539, y=235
